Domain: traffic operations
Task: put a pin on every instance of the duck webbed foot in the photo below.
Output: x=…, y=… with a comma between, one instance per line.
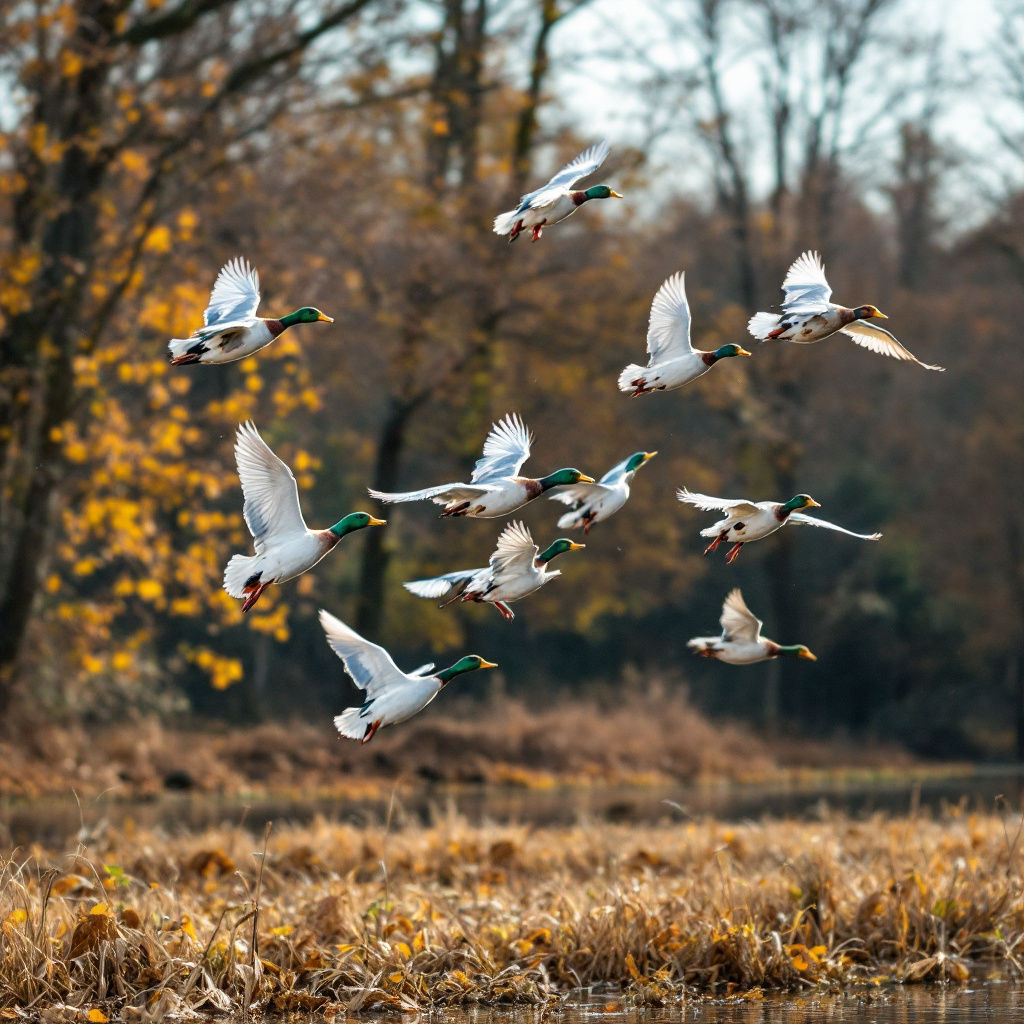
x=506, y=613
x=713, y=546
x=455, y=510
x=730, y=555
x=370, y=731
x=537, y=229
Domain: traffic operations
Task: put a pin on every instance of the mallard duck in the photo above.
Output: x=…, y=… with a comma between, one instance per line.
x=748, y=521
x=517, y=568
x=808, y=315
x=232, y=329
x=392, y=696
x=741, y=642
x=496, y=489
x=590, y=503
x=285, y=546
x=673, y=359
x=556, y=200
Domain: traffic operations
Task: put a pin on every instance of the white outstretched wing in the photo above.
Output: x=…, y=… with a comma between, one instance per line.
x=506, y=449
x=236, y=294
x=586, y=163
x=805, y=286
x=515, y=552
x=709, y=504
x=738, y=621
x=578, y=494
x=799, y=517
x=438, y=586
x=668, y=331
x=370, y=666
x=877, y=339
x=271, y=496
x=423, y=670
x=441, y=495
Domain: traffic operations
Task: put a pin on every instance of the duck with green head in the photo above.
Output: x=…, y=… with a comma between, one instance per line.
x=741, y=642
x=392, y=696
x=232, y=329
x=591, y=503
x=672, y=359
x=809, y=315
x=517, y=569
x=557, y=199
x=746, y=521
x=285, y=546
x=496, y=489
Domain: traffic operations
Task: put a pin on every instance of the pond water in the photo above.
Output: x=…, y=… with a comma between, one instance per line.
x=56, y=822
x=994, y=1002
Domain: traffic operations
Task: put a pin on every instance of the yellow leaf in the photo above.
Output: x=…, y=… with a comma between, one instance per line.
x=18, y=916
x=403, y=949
x=396, y=977
x=100, y=908
x=284, y=929
x=188, y=928
x=98, y=1016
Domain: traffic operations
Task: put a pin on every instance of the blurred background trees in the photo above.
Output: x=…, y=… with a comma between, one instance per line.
x=356, y=152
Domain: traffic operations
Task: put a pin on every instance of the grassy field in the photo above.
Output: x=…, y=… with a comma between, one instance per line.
x=340, y=919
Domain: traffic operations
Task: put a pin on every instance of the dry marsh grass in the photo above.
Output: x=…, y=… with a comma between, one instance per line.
x=643, y=735
x=136, y=926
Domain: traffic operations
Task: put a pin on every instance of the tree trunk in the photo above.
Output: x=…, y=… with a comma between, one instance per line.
x=374, y=567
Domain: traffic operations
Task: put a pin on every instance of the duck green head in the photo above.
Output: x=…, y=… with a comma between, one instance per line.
x=602, y=192
x=797, y=651
x=730, y=350
x=468, y=664
x=800, y=501
x=306, y=315
x=559, y=547
x=564, y=477
x=869, y=312
x=355, y=521
x=636, y=461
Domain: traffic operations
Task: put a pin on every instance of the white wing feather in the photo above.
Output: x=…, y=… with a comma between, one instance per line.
x=438, y=586
x=586, y=163
x=668, y=332
x=441, y=495
x=879, y=340
x=804, y=520
x=738, y=621
x=370, y=666
x=710, y=504
x=506, y=449
x=235, y=295
x=515, y=551
x=271, y=495
x=806, y=287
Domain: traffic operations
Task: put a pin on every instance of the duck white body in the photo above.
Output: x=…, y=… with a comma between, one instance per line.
x=392, y=696
x=673, y=360
x=285, y=546
x=554, y=201
x=495, y=489
x=516, y=570
x=747, y=521
x=809, y=315
x=741, y=642
x=231, y=330
x=592, y=503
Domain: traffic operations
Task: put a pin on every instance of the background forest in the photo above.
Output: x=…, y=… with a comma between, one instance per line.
x=356, y=151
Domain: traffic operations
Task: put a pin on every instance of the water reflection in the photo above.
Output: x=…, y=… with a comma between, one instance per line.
x=993, y=1002
x=54, y=823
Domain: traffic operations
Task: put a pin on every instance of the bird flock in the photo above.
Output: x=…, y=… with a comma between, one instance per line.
x=284, y=547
